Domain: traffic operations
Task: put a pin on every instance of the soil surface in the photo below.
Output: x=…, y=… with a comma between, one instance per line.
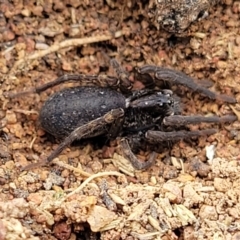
x=90, y=191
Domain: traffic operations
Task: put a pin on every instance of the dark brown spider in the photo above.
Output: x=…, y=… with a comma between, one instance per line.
x=148, y=116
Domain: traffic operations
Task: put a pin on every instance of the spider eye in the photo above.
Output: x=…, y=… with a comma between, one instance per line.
x=167, y=92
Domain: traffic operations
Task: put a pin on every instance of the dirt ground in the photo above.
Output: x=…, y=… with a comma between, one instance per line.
x=92, y=192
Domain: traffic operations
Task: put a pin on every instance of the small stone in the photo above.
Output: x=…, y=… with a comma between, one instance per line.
x=176, y=193
x=62, y=231
x=190, y=194
x=100, y=217
x=8, y=35
x=17, y=130
x=37, y=10
x=200, y=167
x=26, y=12
x=12, y=185
x=35, y=198
x=66, y=66
x=222, y=185
x=20, y=159
x=188, y=233
x=96, y=165
x=231, y=23
x=41, y=46
x=10, y=165
x=208, y=212
x=65, y=173
x=222, y=64
x=16, y=146
x=11, y=117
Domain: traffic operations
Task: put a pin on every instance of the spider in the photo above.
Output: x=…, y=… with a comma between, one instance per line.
x=106, y=105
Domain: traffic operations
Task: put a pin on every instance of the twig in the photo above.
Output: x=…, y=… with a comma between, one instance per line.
x=64, y=44
x=69, y=167
x=97, y=175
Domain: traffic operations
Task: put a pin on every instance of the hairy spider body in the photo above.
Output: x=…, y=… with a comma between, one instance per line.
x=148, y=115
x=73, y=107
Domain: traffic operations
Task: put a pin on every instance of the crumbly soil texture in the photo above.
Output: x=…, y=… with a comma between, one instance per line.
x=90, y=191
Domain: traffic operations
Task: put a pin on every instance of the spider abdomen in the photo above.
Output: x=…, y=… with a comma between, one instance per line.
x=72, y=107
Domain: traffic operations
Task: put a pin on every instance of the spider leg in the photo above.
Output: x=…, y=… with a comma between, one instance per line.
x=158, y=136
x=128, y=154
x=146, y=79
x=115, y=128
x=177, y=77
x=125, y=85
x=80, y=132
x=99, y=80
x=178, y=120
